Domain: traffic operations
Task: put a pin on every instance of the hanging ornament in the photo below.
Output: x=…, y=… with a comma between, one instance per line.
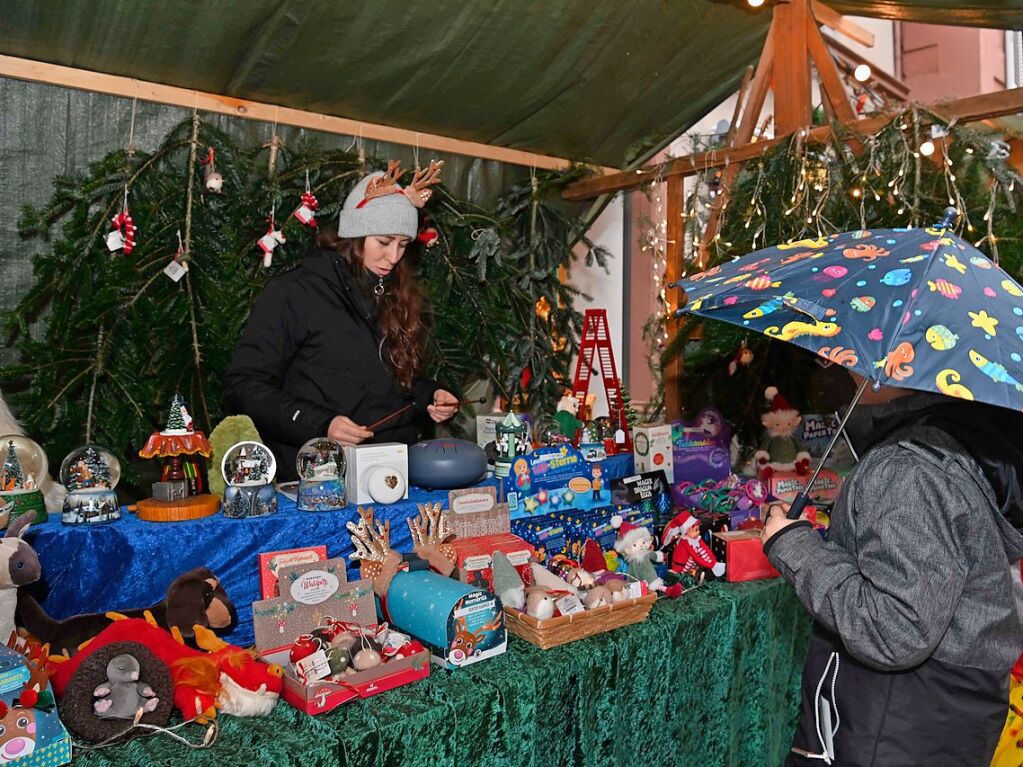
x=428, y=234
x=213, y=181
x=743, y=357
x=178, y=267
x=122, y=236
x=275, y=144
x=270, y=240
x=306, y=211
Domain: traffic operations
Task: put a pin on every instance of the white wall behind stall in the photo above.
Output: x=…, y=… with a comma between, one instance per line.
x=606, y=289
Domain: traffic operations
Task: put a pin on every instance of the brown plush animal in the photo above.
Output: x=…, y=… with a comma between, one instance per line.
x=194, y=598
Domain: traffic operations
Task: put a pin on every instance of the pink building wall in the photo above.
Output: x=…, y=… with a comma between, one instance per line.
x=950, y=62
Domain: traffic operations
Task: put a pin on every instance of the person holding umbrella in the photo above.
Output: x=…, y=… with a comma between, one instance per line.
x=915, y=596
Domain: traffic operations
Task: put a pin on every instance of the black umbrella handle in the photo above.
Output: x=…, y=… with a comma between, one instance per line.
x=798, y=504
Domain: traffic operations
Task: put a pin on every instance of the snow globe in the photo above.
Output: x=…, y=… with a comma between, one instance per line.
x=249, y=469
x=90, y=473
x=321, y=475
x=23, y=466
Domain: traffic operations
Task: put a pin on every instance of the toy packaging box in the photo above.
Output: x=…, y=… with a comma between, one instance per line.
x=652, y=448
x=475, y=511
x=815, y=432
x=460, y=624
x=649, y=491
x=701, y=448
x=555, y=478
x=270, y=562
x=743, y=555
x=476, y=556
x=545, y=533
x=787, y=484
x=42, y=740
x=363, y=459
x=311, y=592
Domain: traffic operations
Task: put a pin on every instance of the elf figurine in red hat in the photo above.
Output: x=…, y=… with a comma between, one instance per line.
x=691, y=552
x=636, y=545
x=780, y=450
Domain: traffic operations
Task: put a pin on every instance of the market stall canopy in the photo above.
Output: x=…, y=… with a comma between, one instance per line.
x=602, y=82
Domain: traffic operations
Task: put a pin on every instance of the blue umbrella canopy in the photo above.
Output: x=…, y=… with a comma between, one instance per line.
x=914, y=308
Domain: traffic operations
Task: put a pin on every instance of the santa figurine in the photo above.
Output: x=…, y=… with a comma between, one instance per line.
x=636, y=545
x=691, y=552
x=780, y=450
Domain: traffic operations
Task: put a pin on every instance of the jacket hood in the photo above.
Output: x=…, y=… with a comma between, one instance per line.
x=992, y=437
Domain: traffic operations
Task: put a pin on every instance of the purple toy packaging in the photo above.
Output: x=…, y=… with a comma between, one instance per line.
x=700, y=448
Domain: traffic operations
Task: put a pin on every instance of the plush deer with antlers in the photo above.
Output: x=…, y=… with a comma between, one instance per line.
x=430, y=535
x=465, y=642
x=372, y=541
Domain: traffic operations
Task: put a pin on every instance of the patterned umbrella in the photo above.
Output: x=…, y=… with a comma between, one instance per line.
x=914, y=308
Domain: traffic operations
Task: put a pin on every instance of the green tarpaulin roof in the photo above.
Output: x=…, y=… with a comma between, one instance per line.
x=595, y=80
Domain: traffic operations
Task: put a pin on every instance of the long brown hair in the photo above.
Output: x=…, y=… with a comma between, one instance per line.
x=399, y=312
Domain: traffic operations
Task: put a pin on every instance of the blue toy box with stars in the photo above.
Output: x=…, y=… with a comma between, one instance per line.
x=555, y=478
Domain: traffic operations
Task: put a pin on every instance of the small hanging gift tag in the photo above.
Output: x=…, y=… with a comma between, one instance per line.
x=115, y=240
x=569, y=605
x=176, y=270
x=313, y=667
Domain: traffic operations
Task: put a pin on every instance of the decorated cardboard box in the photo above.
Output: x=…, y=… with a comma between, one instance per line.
x=545, y=533
x=700, y=448
x=743, y=555
x=787, y=484
x=815, y=432
x=713, y=522
x=310, y=593
x=652, y=448
x=460, y=624
x=270, y=562
x=475, y=511
x=29, y=736
x=377, y=473
x=476, y=556
x=552, y=479
x=649, y=491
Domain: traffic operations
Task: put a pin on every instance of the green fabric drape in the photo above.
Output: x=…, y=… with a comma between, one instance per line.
x=711, y=678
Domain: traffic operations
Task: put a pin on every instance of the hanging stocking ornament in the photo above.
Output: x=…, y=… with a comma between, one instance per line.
x=213, y=181
x=270, y=240
x=743, y=357
x=122, y=236
x=306, y=211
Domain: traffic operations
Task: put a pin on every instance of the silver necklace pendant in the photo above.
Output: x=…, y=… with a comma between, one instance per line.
x=379, y=289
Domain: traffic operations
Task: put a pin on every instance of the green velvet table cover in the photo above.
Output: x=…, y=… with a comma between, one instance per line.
x=711, y=678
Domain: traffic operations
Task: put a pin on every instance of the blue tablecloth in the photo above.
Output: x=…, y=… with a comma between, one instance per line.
x=130, y=563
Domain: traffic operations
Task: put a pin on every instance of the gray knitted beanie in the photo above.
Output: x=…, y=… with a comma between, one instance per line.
x=391, y=214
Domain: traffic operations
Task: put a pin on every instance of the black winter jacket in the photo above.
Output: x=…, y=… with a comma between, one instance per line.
x=311, y=351
x=916, y=594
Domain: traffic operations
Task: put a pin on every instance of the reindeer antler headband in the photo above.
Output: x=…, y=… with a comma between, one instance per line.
x=418, y=191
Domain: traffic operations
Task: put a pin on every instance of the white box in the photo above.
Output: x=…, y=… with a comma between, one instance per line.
x=361, y=460
x=485, y=425
x=651, y=449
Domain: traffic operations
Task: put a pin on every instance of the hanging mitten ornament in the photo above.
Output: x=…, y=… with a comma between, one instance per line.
x=306, y=211
x=122, y=236
x=214, y=181
x=268, y=242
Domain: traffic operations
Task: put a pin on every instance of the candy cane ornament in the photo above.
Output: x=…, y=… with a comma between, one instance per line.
x=122, y=236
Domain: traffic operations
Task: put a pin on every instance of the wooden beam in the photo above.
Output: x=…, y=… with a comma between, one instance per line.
x=792, y=102
x=831, y=82
x=969, y=109
x=831, y=18
x=675, y=257
x=126, y=87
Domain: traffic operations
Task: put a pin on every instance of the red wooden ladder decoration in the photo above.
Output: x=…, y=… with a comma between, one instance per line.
x=596, y=342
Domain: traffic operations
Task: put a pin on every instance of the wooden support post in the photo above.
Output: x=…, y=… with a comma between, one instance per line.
x=792, y=104
x=675, y=253
x=831, y=81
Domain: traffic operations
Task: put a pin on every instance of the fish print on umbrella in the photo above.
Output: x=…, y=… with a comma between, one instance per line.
x=916, y=308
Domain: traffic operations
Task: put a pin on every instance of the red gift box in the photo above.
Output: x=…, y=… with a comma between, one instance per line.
x=475, y=557
x=743, y=555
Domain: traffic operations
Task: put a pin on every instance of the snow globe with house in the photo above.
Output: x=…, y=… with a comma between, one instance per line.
x=249, y=469
x=23, y=467
x=321, y=475
x=90, y=473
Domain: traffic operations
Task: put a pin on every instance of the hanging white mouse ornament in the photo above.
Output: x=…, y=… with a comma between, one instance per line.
x=213, y=181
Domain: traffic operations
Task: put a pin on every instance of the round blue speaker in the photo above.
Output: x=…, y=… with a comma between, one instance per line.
x=446, y=463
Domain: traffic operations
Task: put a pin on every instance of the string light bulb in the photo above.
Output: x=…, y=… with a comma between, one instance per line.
x=862, y=73
x=755, y=3
x=927, y=148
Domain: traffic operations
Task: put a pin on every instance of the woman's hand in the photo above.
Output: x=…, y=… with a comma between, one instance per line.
x=346, y=432
x=444, y=407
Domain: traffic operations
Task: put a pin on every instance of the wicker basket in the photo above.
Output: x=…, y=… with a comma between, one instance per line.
x=570, y=628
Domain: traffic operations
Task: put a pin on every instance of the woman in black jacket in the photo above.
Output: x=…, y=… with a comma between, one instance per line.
x=336, y=344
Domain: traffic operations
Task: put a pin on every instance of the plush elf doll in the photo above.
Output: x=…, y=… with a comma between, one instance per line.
x=636, y=545
x=691, y=552
x=780, y=450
